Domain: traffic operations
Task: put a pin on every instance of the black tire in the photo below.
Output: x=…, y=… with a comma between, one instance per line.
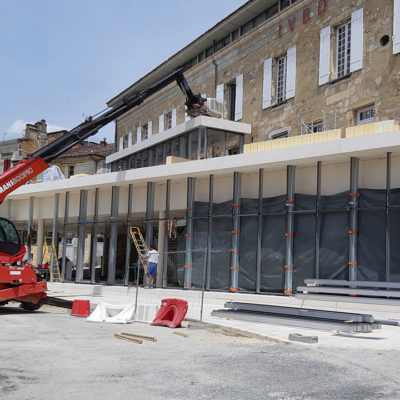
x=30, y=306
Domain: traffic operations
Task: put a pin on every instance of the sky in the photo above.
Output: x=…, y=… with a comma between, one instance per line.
x=64, y=60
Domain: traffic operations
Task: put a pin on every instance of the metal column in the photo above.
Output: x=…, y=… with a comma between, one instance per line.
x=54, y=233
x=149, y=213
x=235, y=247
x=387, y=216
x=353, y=226
x=165, y=258
x=209, y=230
x=128, y=245
x=93, y=238
x=30, y=229
x=112, y=249
x=290, y=180
x=189, y=233
x=317, y=221
x=259, y=229
x=64, y=252
x=80, y=259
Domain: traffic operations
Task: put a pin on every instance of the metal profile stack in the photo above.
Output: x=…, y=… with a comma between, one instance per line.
x=299, y=317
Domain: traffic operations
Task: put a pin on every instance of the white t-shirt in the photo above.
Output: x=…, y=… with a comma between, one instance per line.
x=153, y=256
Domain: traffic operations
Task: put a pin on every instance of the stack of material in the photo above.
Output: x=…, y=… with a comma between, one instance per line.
x=299, y=317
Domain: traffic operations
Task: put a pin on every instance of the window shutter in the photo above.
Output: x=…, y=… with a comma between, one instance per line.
x=324, y=55
x=129, y=138
x=149, y=129
x=219, y=93
x=173, y=122
x=187, y=117
x=161, y=123
x=138, y=134
x=291, y=72
x=357, y=40
x=121, y=143
x=239, y=97
x=396, y=26
x=267, y=83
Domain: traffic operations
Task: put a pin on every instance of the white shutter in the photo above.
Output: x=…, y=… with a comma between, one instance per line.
x=121, y=143
x=239, y=97
x=357, y=40
x=129, y=138
x=149, y=129
x=138, y=134
x=219, y=93
x=173, y=121
x=324, y=55
x=396, y=26
x=291, y=72
x=161, y=123
x=187, y=116
x=267, y=83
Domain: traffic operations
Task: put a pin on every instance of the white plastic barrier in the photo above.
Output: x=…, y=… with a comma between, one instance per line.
x=113, y=313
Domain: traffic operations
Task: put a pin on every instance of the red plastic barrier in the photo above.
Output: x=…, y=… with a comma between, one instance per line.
x=80, y=308
x=171, y=313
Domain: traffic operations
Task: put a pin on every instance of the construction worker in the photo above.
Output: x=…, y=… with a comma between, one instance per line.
x=152, y=261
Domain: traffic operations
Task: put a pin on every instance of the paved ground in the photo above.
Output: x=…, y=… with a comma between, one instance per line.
x=50, y=355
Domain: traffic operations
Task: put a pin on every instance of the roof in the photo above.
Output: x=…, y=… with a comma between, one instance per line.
x=89, y=149
x=230, y=23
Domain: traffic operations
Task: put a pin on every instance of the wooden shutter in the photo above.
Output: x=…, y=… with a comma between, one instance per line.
x=149, y=129
x=291, y=72
x=267, y=83
x=138, y=134
x=239, y=97
x=161, y=123
x=396, y=26
x=173, y=121
x=357, y=40
x=324, y=55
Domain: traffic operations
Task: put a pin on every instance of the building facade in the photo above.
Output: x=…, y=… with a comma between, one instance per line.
x=297, y=179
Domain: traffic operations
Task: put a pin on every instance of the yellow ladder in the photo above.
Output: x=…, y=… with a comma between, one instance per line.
x=55, y=275
x=140, y=245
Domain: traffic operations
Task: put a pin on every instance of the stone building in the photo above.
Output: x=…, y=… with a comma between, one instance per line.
x=297, y=179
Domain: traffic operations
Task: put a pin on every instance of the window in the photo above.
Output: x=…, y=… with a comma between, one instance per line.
x=145, y=132
x=235, y=35
x=280, y=133
x=69, y=241
x=365, y=115
x=343, y=41
x=231, y=101
x=281, y=79
x=314, y=126
x=168, y=120
x=71, y=170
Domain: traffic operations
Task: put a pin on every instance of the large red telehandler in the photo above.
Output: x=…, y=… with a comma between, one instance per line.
x=18, y=280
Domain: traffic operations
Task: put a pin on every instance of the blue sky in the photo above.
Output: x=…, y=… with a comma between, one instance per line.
x=63, y=60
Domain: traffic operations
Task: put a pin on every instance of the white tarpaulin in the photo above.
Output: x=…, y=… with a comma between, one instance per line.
x=113, y=313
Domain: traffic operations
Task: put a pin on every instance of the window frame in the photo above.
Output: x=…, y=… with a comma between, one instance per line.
x=280, y=78
x=343, y=56
x=368, y=120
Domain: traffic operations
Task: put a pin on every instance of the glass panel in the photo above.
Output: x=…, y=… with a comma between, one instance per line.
x=272, y=10
x=8, y=233
x=152, y=156
x=138, y=160
x=175, y=147
x=247, y=27
x=232, y=143
x=193, y=147
x=159, y=154
x=145, y=159
x=235, y=34
x=215, y=143
x=183, y=146
x=260, y=18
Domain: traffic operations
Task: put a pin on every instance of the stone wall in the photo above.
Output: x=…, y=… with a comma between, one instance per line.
x=300, y=24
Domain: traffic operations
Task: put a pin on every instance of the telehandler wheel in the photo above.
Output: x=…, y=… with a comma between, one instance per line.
x=30, y=306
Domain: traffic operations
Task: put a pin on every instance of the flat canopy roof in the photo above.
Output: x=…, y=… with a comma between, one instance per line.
x=198, y=122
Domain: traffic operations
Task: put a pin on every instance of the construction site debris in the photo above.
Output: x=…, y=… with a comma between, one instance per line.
x=129, y=338
x=133, y=335
x=297, y=337
x=181, y=334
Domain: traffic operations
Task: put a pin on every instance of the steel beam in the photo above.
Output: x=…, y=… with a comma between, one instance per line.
x=128, y=244
x=64, y=252
x=167, y=215
x=93, y=238
x=30, y=229
x=112, y=249
x=339, y=282
x=353, y=228
x=348, y=299
x=235, y=246
x=54, y=233
x=188, y=267
x=209, y=230
x=352, y=291
x=290, y=187
x=149, y=213
x=317, y=220
x=259, y=229
x=387, y=215
x=80, y=260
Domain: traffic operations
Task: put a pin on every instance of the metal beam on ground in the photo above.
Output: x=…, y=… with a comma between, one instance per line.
x=348, y=299
x=81, y=235
x=112, y=248
x=353, y=228
x=338, y=282
x=288, y=267
x=350, y=291
x=235, y=241
x=188, y=267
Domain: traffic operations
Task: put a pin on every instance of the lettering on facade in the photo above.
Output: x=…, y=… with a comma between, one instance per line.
x=321, y=8
x=16, y=179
